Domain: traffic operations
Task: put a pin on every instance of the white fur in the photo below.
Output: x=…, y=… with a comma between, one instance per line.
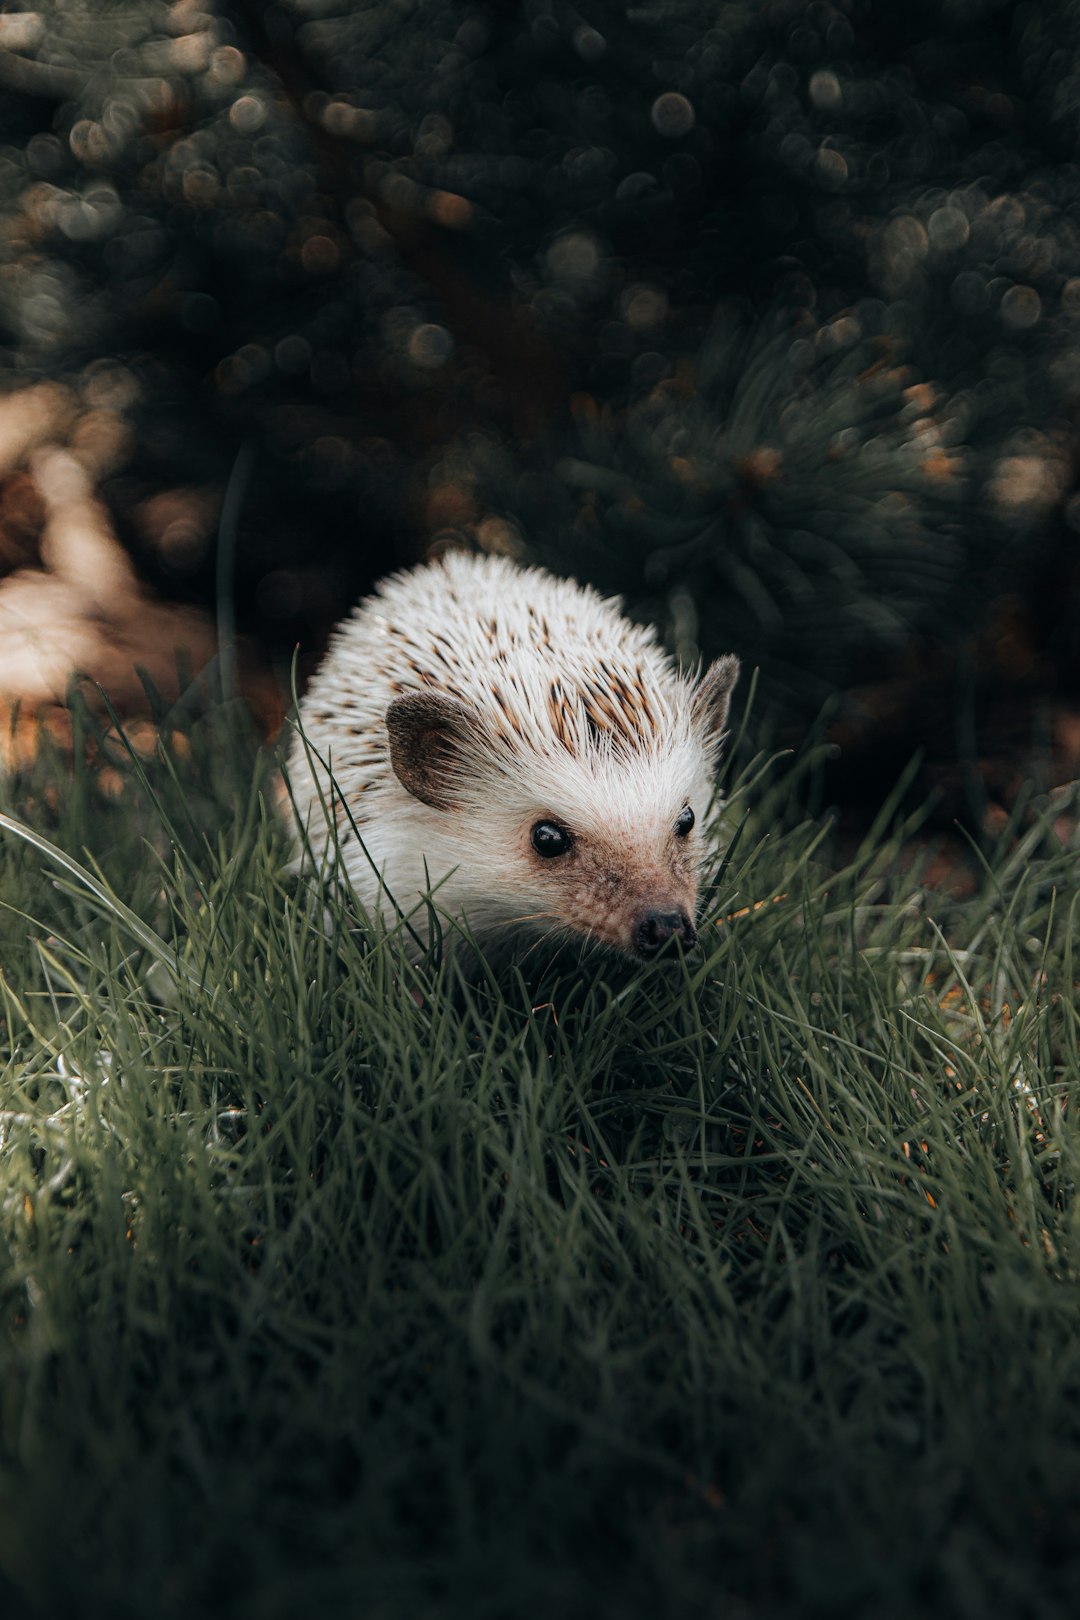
x=470, y=624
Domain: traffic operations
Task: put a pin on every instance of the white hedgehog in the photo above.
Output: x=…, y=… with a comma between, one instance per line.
x=509, y=740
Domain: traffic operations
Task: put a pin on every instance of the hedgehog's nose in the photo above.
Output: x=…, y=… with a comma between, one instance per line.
x=655, y=928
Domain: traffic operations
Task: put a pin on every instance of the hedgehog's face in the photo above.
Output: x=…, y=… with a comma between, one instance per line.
x=606, y=846
x=626, y=881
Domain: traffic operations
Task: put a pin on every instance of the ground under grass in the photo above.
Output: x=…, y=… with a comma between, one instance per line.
x=742, y=1286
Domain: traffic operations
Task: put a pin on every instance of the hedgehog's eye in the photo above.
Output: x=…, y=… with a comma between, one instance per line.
x=683, y=822
x=548, y=839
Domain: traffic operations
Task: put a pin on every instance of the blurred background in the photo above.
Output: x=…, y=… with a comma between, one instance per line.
x=764, y=315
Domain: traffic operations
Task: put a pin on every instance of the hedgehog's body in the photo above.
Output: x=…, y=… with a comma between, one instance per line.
x=511, y=741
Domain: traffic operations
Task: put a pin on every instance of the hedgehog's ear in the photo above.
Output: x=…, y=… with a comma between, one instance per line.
x=430, y=734
x=712, y=695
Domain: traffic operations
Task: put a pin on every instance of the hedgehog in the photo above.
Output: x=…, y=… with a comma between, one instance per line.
x=509, y=743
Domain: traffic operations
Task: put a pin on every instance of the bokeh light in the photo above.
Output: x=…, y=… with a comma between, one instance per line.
x=763, y=309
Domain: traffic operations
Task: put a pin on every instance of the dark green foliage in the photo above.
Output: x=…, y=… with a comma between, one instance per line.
x=823, y=514
x=456, y=271
x=328, y=1283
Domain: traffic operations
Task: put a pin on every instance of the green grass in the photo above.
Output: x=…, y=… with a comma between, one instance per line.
x=744, y=1286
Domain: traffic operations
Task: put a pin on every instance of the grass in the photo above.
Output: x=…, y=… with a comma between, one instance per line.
x=741, y=1286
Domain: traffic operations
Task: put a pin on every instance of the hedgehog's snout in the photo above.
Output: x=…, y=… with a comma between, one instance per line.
x=653, y=930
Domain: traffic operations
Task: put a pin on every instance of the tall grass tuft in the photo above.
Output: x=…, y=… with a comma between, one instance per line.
x=741, y=1284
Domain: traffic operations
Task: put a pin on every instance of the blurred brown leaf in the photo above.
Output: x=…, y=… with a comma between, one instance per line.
x=71, y=603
